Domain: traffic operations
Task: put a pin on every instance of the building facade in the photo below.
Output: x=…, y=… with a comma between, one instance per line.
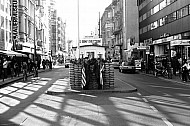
x=120, y=29
x=164, y=28
x=107, y=30
x=5, y=27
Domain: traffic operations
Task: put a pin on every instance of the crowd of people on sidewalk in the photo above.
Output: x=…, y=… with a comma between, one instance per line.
x=178, y=67
x=12, y=66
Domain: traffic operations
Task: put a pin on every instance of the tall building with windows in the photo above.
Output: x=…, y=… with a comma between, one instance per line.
x=53, y=27
x=5, y=29
x=164, y=28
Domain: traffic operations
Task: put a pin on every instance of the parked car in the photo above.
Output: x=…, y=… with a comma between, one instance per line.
x=127, y=67
x=115, y=63
x=67, y=63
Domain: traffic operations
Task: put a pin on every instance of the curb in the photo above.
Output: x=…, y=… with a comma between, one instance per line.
x=90, y=91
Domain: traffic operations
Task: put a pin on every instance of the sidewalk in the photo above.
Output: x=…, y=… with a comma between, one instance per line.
x=175, y=79
x=10, y=80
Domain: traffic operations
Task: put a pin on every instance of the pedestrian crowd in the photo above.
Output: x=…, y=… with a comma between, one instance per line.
x=12, y=66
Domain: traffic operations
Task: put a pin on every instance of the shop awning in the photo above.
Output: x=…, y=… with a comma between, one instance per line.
x=12, y=53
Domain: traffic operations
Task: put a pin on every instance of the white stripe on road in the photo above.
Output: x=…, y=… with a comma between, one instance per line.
x=144, y=99
x=167, y=122
x=153, y=108
x=139, y=94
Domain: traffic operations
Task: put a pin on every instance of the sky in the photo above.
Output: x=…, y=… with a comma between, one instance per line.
x=88, y=16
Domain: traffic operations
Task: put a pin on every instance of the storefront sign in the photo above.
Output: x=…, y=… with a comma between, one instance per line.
x=180, y=42
x=15, y=19
x=141, y=47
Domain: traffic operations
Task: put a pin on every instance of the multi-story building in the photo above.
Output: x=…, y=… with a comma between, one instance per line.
x=61, y=34
x=27, y=27
x=164, y=27
x=53, y=26
x=5, y=28
x=107, y=30
x=120, y=29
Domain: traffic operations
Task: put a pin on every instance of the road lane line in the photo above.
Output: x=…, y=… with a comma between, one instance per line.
x=167, y=122
x=144, y=99
x=139, y=94
x=153, y=108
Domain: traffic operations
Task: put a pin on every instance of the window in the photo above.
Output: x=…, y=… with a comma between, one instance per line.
x=148, y=13
x=179, y=13
x=162, y=21
x=140, y=19
x=2, y=22
x=162, y=4
x=172, y=17
x=2, y=38
x=149, y=27
x=156, y=8
x=185, y=11
x=144, y=29
x=109, y=14
x=144, y=16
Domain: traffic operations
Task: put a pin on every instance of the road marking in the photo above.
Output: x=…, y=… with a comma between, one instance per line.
x=23, y=121
x=139, y=94
x=145, y=100
x=153, y=108
x=167, y=122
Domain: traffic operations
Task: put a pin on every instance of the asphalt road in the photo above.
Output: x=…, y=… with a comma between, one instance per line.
x=171, y=100
x=157, y=103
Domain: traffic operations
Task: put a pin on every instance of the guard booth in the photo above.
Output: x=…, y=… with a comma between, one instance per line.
x=91, y=75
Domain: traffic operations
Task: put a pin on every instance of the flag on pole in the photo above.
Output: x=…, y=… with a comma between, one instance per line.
x=101, y=76
x=83, y=77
